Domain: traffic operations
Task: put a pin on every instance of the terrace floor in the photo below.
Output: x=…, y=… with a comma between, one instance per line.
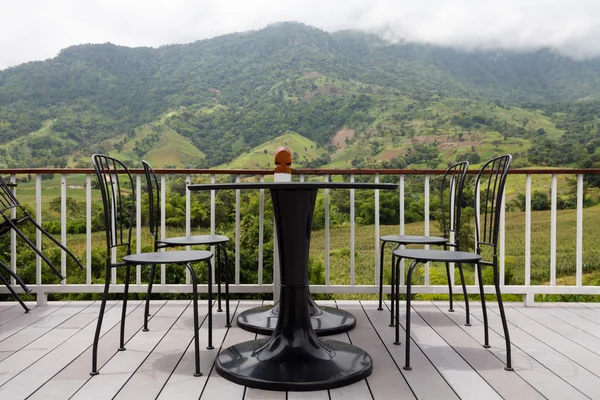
x=46, y=354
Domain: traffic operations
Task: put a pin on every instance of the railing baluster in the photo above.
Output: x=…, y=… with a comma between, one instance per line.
x=188, y=222
x=352, y=233
x=478, y=224
x=38, y=234
x=237, y=233
x=527, y=230
x=327, y=259
x=88, y=229
x=63, y=225
x=502, y=238
x=213, y=220
x=401, y=195
x=553, y=233
x=426, y=225
x=377, y=232
x=301, y=177
x=163, y=228
x=138, y=226
x=579, y=257
x=13, y=234
x=261, y=232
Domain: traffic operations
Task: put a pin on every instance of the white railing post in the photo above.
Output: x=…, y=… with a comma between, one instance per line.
x=88, y=229
x=579, y=256
x=188, y=222
x=138, y=226
x=163, y=228
x=261, y=232
x=327, y=259
x=426, y=225
x=401, y=198
x=352, y=233
x=237, y=233
x=13, y=234
x=38, y=234
x=377, y=232
x=553, y=233
x=63, y=225
x=502, y=238
x=529, y=298
x=213, y=219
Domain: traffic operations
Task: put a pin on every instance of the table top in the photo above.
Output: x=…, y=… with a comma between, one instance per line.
x=292, y=185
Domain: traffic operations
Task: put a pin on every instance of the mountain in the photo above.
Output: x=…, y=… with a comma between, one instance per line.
x=214, y=100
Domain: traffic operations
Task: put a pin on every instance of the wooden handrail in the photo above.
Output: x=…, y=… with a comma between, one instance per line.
x=297, y=171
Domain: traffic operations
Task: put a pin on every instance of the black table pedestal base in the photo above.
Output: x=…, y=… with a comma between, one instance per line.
x=294, y=358
x=325, y=320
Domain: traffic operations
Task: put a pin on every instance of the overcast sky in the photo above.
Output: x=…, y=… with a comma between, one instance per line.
x=38, y=29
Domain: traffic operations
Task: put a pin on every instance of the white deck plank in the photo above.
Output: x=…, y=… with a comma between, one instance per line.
x=5, y=305
x=509, y=385
x=71, y=378
x=148, y=381
x=116, y=372
x=542, y=378
x=50, y=363
x=48, y=335
x=536, y=347
x=387, y=381
x=465, y=381
x=42, y=327
x=25, y=320
x=217, y=387
x=563, y=322
x=11, y=313
x=591, y=317
x=424, y=379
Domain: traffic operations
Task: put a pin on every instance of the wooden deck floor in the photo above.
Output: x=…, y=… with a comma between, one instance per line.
x=46, y=354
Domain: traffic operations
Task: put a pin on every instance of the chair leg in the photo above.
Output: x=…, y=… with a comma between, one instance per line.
x=381, y=258
x=210, y=343
x=33, y=246
x=226, y=268
x=486, y=335
x=17, y=277
x=148, y=293
x=196, y=325
x=99, y=324
x=503, y=318
x=396, y=283
x=124, y=310
x=7, y=284
x=393, y=295
x=218, y=279
x=408, y=295
x=59, y=244
x=451, y=309
x=464, y=288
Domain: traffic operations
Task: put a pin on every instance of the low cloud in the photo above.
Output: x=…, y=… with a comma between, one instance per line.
x=38, y=29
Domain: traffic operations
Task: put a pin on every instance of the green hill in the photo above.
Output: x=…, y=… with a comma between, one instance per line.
x=212, y=101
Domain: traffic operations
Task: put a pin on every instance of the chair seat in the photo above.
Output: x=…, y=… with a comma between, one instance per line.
x=403, y=239
x=438, y=255
x=169, y=257
x=194, y=240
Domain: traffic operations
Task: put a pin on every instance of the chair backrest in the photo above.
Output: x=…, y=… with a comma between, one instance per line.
x=118, y=200
x=451, y=192
x=153, y=198
x=7, y=198
x=489, y=193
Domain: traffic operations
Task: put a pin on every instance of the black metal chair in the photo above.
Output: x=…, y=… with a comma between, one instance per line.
x=198, y=240
x=493, y=174
x=118, y=199
x=9, y=202
x=451, y=191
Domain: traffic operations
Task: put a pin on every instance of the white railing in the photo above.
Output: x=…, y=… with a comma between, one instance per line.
x=41, y=289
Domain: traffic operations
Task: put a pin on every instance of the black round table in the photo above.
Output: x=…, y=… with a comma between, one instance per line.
x=293, y=357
